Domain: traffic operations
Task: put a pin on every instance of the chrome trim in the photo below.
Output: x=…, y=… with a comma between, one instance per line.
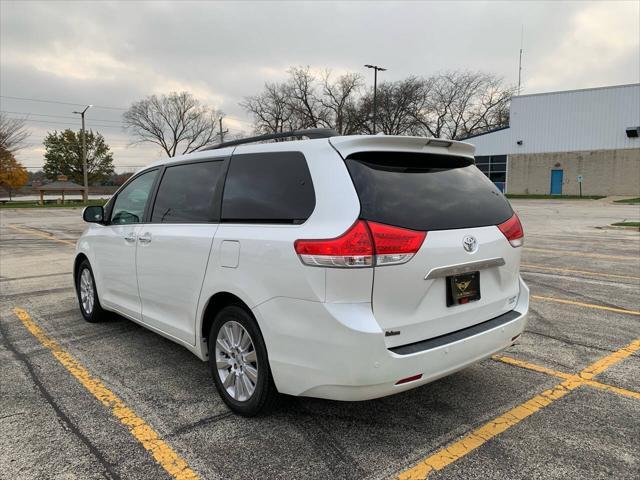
x=464, y=268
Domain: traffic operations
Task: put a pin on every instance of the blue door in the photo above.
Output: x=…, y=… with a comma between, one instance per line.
x=556, y=182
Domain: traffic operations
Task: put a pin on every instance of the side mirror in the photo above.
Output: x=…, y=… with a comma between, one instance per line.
x=93, y=214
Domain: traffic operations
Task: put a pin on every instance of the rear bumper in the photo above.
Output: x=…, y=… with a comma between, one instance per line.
x=337, y=351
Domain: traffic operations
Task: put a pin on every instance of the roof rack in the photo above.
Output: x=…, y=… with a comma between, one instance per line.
x=309, y=133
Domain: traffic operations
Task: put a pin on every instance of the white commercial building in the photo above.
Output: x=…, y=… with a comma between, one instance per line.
x=557, y=140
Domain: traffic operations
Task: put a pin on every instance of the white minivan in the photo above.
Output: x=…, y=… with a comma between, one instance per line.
x=338, y=267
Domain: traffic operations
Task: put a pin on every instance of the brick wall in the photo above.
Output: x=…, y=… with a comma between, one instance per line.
x=605, y=172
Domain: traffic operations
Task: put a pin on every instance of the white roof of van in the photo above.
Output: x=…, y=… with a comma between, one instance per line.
x=345, y=145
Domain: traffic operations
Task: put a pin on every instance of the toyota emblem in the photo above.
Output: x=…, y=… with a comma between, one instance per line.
x=470, y=243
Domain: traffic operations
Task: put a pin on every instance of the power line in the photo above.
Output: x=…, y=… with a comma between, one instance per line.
x=248, y=122
x=64, y=123
x=58, y=116
x=61, y=103
x=232, y=130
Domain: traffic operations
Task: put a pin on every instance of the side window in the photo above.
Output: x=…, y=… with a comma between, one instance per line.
x=268, y=188
x=186, y=193
x=131, y=200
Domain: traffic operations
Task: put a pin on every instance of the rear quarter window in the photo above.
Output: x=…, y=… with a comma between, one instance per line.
x=425, y=191
x=272, y=187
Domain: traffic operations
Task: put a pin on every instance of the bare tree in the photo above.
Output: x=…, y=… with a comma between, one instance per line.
x=339, y=98
x=452, y=105
x=177, y=122
x=13, y=133
x=271, y=109
x=396, y=102
x=304, y=99
x=459, y=104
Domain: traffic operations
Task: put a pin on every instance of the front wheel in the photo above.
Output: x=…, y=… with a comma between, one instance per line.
x=87, y=294
x=238, y=362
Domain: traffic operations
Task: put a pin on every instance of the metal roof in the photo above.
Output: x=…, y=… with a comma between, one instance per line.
x=576, y=120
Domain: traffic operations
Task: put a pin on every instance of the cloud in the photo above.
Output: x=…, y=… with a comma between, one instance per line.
x=599, y=40
x=76, y=63
x=162, y=85
x=114, y=53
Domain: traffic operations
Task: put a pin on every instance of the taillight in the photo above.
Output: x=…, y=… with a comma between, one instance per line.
x=363, y=245
x=512, y=229
x=353, y=248
x=394, y=245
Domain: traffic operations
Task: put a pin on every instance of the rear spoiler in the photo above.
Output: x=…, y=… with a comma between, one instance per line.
x=348, y=145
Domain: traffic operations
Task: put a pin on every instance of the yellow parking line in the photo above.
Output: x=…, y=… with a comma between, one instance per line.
x=475, y=439
x=606, y=362
x=568, y=270
x=480, y=436
x=582, y=254
x=610, y=388
x=36, y=233
x=173, y=463
x=566, y=376
x=532, y=366
x=586, y=305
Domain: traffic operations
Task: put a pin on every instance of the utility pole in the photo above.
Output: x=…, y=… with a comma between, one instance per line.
x=520, y=61
x=222, y=132
x=376, y=68
x=85, y=196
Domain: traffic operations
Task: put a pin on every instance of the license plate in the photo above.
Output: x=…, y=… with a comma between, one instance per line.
x=463, y=288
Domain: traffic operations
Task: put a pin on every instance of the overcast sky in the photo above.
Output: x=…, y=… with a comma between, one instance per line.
x=112, y=53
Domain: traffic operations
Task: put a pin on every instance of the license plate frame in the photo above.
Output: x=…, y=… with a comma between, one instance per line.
x=463, y=288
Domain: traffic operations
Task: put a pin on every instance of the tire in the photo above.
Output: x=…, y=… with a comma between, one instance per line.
x=86, y=287
x=232, y=365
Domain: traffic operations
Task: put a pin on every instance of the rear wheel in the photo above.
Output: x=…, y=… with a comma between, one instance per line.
x=238, y=362
x=87, y=294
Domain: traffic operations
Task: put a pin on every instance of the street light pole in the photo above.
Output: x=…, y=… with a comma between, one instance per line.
x=376, y=68
x=84, y=155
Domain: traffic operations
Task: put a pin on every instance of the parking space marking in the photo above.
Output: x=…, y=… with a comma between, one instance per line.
x=35, y=233
x=582, y=254
x=532, y=366
x=164, y=455
x=566, y=376
x=448, y=455
x=610, y=360
x=568, y=270
x=585, y=305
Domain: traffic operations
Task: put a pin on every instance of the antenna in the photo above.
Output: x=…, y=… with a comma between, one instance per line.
x=520, y=61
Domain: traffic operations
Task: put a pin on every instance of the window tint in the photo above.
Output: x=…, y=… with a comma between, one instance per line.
x=130, y=202
x=186, y=193
x=268, y=188
x=425, y=192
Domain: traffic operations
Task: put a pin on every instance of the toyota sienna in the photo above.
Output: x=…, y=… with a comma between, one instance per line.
x=338, y=267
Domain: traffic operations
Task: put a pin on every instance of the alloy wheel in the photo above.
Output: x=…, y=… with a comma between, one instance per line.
x=87, y=295
x=236, y=361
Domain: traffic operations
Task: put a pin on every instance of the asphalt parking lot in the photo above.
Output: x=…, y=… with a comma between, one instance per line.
x=114, y=400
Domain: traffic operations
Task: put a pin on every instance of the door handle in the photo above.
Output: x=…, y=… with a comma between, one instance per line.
x=146, y=238
x=130, y=237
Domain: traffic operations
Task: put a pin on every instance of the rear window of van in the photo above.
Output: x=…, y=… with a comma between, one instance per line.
x=425, y=191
